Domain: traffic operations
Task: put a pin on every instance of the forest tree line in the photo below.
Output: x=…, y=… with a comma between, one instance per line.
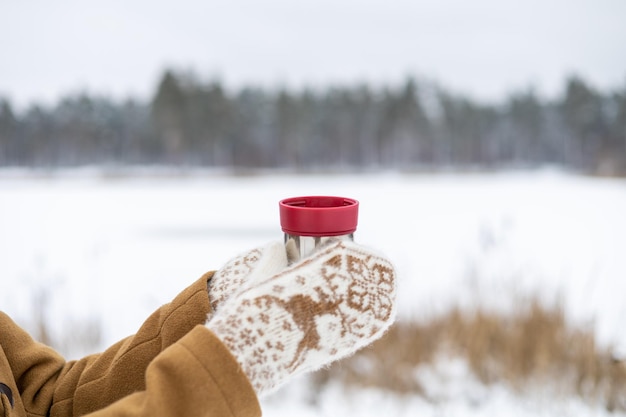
x=412, y=125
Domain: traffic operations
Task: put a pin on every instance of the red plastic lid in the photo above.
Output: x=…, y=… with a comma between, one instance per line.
x=318, y=215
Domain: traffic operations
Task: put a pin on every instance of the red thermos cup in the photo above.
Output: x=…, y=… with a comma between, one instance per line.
x=310, y=221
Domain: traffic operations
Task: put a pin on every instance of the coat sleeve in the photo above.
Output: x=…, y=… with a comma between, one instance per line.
x=197, y=376
x=130, y=370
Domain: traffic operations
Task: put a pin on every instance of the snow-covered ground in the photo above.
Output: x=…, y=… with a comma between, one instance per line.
x=113, y=249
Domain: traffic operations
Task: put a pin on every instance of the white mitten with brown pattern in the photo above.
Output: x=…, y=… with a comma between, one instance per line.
x=323, y=308
x=237, y=272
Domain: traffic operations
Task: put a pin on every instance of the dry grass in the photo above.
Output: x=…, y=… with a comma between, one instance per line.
x=533, y=345
x=79, y=335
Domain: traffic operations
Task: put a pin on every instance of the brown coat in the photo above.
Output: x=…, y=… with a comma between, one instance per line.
x=173, y=366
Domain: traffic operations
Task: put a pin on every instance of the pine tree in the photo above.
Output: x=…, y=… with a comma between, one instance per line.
x=168, y=117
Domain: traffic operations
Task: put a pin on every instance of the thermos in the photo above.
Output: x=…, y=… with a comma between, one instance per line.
x=309, y=222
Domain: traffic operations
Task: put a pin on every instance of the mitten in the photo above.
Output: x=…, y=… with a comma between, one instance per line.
x=318, y=310
x=237, y=272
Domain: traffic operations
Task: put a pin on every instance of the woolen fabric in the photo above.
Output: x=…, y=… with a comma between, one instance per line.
x=173, y=366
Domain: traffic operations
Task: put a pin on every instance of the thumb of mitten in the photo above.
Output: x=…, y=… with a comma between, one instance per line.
x=240, y=270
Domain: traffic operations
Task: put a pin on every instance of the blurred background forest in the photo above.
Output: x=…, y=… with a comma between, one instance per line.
x=415, y=124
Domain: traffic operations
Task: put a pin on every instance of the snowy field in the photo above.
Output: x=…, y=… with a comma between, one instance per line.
x=113, y=249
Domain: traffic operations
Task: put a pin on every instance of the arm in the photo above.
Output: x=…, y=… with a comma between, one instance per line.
x=197, y=376
x=95, y=382
x=46, y=382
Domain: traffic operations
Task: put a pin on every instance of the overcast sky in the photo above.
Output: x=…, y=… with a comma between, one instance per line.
x=484, y=48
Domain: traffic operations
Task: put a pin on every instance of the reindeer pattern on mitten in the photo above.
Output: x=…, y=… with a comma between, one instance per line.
x=347, y=298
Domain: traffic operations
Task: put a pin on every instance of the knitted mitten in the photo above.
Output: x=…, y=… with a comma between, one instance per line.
x=318, y=310
x=237, y=272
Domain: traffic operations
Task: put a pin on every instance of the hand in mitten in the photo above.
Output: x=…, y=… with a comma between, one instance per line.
x=318, y=310
x=237, y=272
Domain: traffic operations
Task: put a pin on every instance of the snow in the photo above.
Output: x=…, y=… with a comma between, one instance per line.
x=452, y=392
x=112, y=249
